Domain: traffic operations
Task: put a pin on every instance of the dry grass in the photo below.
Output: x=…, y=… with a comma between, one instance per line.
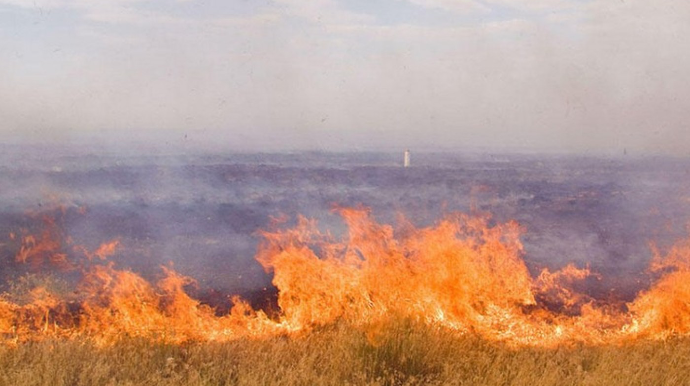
x=402, y=354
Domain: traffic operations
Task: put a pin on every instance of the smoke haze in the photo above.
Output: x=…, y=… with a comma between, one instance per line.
x=567, y=76
x=203, y=213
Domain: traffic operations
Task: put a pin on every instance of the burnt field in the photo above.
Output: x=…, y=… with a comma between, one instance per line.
x=203, y=212
x=317, y=268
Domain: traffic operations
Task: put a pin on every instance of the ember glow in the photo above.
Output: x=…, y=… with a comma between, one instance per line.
x=463, y=274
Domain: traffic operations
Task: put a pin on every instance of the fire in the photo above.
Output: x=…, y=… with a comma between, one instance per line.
x=665, y=308
x=462, y=274
x=43, y=248
x=452, y=274
x=104, y=250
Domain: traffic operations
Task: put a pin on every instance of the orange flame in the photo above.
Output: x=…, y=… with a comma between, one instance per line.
x=665, y=308
x=44, y=248
x=461, y=274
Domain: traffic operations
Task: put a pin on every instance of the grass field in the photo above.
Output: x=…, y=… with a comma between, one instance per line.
x=404, y=353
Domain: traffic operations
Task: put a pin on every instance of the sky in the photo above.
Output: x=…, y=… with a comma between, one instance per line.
x=556, y=76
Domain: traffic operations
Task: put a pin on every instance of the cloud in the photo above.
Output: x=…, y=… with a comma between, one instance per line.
x=38, y=5
x=538, y=5
x=456, y=6
x=321, y=12
x=105, y=11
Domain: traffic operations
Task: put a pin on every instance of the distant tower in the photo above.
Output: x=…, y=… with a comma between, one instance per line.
x=406, y=158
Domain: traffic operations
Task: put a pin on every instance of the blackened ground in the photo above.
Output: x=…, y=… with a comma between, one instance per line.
x=202, y=214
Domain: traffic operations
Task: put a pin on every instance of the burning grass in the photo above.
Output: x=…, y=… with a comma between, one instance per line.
x=449, y=304
x=403, y=352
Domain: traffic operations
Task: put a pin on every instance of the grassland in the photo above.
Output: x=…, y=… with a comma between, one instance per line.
x=401, y=354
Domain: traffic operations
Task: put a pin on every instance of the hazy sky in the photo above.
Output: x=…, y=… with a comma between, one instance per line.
x=529, y=75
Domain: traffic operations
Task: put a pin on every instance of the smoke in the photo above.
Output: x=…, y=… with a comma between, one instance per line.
x=203, y=213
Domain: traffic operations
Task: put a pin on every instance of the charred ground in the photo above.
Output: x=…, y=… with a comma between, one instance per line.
x=203, y=212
